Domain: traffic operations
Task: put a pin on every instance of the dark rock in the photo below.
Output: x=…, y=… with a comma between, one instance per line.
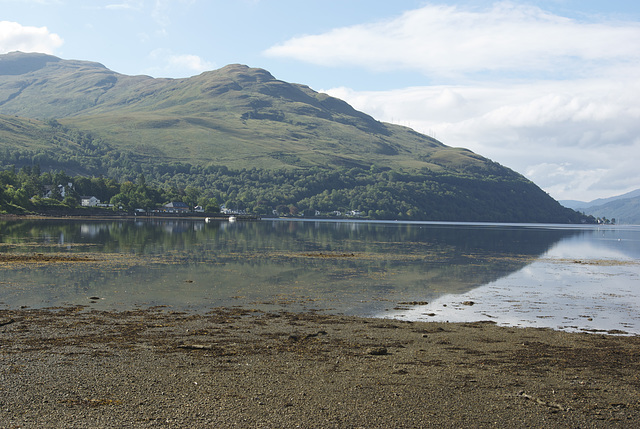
x=377, y=351
x=6, y=322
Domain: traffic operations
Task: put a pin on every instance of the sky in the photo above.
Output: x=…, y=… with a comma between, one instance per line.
x=548, y=88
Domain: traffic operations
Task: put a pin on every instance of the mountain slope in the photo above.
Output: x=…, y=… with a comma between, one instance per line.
x=230, y=116
x=206, y=130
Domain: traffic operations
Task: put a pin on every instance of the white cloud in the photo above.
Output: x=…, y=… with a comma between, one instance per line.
x=16, y=37
x=576, y=139
x=169, y=64
x=120, y=6
x=190, y=62
x=162, y=10
x=449, y=41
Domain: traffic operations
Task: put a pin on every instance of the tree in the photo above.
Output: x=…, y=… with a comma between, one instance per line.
x=210, y=205
x=70, y=201
x=191, y=196
x=3, y=193
x=120, y=200
x=20, y=198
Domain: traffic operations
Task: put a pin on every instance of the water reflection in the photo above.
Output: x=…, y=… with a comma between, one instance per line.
x=349, y=267
x=587, y=282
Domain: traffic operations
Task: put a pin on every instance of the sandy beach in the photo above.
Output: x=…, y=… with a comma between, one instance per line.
x=76, y=368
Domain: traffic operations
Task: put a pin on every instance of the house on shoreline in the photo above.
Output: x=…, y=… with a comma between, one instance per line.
x=89, y=201
x=174, y=207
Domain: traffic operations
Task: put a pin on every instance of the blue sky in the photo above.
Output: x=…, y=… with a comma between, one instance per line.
x=548, y=88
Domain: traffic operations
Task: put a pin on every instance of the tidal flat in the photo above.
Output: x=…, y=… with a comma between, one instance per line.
x=236, y=367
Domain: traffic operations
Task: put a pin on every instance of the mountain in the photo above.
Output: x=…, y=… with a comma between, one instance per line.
x=574, y=204
x=625, y=211
x=226, y=116
x=623, y=208
x=249, y=139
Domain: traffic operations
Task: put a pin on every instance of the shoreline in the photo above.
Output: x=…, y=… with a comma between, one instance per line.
x=126, y=216
x=78, y=367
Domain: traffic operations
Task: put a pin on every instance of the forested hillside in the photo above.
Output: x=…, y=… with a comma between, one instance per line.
x=376, y=192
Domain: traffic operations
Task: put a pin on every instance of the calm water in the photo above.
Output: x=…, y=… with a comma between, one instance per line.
x=573, y=278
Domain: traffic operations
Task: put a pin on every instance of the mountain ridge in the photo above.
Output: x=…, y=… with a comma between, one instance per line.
x=576, y=204
x=102, y=99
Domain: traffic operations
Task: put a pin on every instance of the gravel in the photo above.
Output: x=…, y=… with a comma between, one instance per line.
x=74, y=368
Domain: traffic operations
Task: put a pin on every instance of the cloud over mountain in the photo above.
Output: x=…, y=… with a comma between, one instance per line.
x=16, y=37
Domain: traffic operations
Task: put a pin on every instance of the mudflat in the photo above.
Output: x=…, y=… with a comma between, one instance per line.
x=233, y=367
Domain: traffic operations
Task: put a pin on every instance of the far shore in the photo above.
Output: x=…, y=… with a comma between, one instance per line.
x=106, y=215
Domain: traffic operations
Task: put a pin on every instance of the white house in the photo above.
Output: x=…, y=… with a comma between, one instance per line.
x=89, y=201
x=225, y=210
x=62, y=190
x=175, y=207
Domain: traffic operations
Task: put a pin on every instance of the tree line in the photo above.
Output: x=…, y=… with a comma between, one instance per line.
x=30, y=190
x=372, y=193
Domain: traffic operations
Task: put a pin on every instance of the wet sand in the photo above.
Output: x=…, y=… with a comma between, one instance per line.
x=76, y=368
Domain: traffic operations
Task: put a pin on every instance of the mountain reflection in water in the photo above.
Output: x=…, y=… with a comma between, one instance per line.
x=359, y=268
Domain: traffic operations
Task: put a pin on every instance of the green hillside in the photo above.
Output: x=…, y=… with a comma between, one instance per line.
x=233, y=116
x=247, y=139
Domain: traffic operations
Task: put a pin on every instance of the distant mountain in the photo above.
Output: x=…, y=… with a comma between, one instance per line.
x=625, y=211
x=575, y=204
x=250, y=140
x=623, y=208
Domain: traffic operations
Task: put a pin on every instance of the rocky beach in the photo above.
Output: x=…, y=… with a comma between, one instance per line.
x=236, y=367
